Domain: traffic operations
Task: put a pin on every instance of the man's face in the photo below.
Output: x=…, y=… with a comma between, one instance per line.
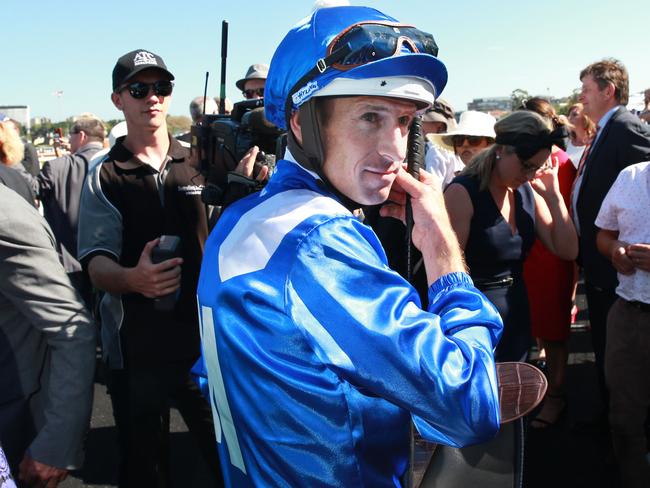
x=365, y=145
x=75, y=141
x=254, y=89
x=596, y=102
x=434, y=127
x=148, y=112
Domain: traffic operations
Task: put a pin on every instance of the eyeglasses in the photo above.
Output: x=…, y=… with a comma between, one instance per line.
x=530, y=168
x=139, y=89
x=473, y=141
x=370, y=41
x=257, y=92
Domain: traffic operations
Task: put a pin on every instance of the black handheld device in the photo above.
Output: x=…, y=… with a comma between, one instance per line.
x=414, y=162
x=169, y=247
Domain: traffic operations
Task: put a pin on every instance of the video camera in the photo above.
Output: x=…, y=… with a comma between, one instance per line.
x=220, y=142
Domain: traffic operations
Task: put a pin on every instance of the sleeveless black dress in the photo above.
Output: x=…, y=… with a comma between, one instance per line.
x=495, y=257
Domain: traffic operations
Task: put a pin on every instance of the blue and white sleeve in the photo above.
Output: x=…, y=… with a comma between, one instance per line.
x=365, y=322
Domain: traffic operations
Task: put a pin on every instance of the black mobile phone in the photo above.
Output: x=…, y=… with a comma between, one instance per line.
x=169, y=247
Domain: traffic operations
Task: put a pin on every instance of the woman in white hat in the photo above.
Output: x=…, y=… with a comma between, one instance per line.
x=474, y=133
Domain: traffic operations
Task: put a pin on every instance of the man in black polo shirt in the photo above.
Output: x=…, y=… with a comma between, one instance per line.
x=142, y=189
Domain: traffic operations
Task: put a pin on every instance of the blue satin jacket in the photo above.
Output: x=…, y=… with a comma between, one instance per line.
x=318, y=355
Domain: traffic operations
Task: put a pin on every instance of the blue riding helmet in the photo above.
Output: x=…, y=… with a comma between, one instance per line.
x=381, y=47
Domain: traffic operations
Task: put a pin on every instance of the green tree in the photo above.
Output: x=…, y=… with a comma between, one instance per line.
x=563, y=108
x=517, y=96
x=178, y=124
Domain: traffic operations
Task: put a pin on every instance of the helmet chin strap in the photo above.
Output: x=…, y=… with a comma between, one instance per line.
x=311, y=154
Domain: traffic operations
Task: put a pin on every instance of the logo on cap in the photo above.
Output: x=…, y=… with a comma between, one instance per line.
x=304, y=92
x=144, y=57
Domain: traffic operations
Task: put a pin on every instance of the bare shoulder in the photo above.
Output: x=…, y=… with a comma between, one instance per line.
x=457, y=199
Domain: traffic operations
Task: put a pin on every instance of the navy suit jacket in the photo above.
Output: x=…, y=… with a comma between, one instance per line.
x=625, y=140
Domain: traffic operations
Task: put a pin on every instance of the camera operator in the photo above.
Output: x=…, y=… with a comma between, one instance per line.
x=143, y=189
x=252, y=85
x=199, y=107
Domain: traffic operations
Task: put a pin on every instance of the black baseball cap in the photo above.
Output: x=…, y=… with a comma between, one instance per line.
x=135, y=61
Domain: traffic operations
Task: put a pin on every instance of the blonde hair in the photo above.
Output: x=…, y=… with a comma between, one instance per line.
x=520, y=122
x=587, y=124
x=12, y=150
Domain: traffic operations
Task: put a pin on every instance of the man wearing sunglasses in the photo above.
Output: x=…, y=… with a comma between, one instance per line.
x=142, y=189
x=318, y=355
x=252, y=85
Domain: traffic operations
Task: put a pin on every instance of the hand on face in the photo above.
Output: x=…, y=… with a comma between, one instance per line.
x=429, y=212
x=546, y=180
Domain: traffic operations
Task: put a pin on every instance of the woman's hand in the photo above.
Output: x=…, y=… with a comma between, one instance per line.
x=546, y=181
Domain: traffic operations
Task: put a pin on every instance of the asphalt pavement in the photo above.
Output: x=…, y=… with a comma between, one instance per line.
x=556, y=457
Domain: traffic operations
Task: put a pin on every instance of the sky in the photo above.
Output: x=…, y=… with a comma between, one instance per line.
x=490, y=48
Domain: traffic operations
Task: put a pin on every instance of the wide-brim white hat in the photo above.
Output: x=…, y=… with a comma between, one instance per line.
x=471, y=123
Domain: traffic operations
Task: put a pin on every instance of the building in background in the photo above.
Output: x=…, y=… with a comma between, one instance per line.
x=19, y=113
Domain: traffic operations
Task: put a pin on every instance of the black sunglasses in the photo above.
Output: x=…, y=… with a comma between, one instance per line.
x=473, y=141
x=139, y=89
x=251, y=93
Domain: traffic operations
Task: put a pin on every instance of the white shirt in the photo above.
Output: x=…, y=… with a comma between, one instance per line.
x=442, y=163
x=575, y=153
x=625, y=209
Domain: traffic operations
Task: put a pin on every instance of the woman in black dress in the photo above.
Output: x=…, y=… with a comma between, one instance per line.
x=497, y=209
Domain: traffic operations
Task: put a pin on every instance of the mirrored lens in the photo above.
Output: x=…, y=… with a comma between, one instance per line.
x=161, y=88
x=370, y=42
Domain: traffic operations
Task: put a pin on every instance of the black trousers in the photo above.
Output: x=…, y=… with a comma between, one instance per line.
x=599, y=301
x=141, y=399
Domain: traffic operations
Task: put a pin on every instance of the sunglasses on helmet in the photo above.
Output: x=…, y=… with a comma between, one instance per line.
x=364, y=42
x=139, y=89
x=371, y=41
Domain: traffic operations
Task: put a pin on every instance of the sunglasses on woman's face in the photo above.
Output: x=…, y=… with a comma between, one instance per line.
x=473, y=141
x=140, y=89
x=530, y=168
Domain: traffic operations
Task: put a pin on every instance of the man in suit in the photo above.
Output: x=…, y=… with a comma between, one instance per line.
x=621, y=139
x=59, y=185
x=47, y=351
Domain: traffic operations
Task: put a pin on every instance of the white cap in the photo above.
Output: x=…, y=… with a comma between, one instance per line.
x=410, y=88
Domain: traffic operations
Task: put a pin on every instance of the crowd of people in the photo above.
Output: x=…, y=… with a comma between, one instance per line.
x=310, y=355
